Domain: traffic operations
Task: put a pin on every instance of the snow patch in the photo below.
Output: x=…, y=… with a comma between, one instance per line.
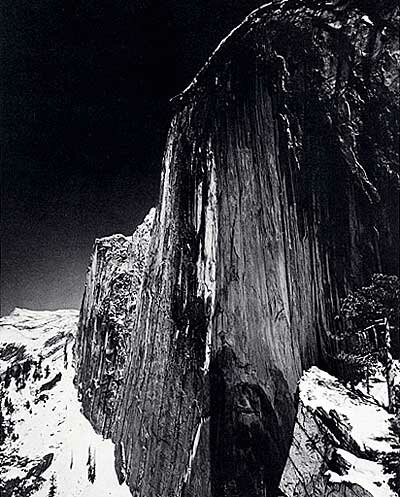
x=340, y=438
x=367, y=474
x=193, y=451
x=206, y=264
x=369, y=423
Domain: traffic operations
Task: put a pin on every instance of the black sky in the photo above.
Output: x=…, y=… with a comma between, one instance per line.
x=85, y=89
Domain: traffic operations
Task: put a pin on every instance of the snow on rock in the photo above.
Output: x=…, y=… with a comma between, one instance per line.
x=339, y=441
x=27, y=333
x=377, y=386
x=48, y=444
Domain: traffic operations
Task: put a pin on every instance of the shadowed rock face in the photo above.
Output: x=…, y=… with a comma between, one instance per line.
x=278, y=195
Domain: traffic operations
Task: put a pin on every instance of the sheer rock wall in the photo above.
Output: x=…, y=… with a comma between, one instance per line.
x=278, y=195
x=103, y=342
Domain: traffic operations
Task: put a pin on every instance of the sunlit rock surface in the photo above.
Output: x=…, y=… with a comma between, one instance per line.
x=107, y=317
x=278, y=196
x=339, y=441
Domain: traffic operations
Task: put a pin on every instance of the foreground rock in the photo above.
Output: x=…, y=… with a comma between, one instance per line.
x=341, y=439
x=278, y=196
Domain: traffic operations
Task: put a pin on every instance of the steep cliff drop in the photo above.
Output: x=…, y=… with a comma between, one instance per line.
x=103, y=342
x=278, y=195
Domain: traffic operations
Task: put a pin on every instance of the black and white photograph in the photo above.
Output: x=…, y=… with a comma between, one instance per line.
x=199, y=248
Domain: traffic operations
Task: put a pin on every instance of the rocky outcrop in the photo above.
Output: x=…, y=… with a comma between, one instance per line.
x=340, y=441
x=278, y=195
x=107, y=315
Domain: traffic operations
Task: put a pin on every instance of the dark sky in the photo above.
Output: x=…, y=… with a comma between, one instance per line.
x=85, y=89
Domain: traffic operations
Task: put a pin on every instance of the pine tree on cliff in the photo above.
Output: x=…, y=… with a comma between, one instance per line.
x=371, y=316
x=376, y=301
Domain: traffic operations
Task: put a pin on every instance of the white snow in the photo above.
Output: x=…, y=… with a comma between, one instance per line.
x=367, y=20
x=56, y=425
x=74, y=435
x=206, y=263
x=368, y=474
x=369, y=423
x=359, y=441
x=193, y=451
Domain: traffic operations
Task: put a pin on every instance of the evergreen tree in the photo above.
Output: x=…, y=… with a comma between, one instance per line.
x=9, y=406
x=66, y=354
x=7, y=379
x=379, y=300
x=53, y=486
x=370, y=315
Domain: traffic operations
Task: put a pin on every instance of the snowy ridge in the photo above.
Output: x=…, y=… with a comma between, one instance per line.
x=49, y=444
x=34, y=332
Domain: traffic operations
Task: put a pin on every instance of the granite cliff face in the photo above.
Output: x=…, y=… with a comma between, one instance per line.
x=103, y=342
x=278, y=195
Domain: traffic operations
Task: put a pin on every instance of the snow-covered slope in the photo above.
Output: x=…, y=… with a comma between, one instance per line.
x=340, y=441
x=26, y=333
x=49, y=447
